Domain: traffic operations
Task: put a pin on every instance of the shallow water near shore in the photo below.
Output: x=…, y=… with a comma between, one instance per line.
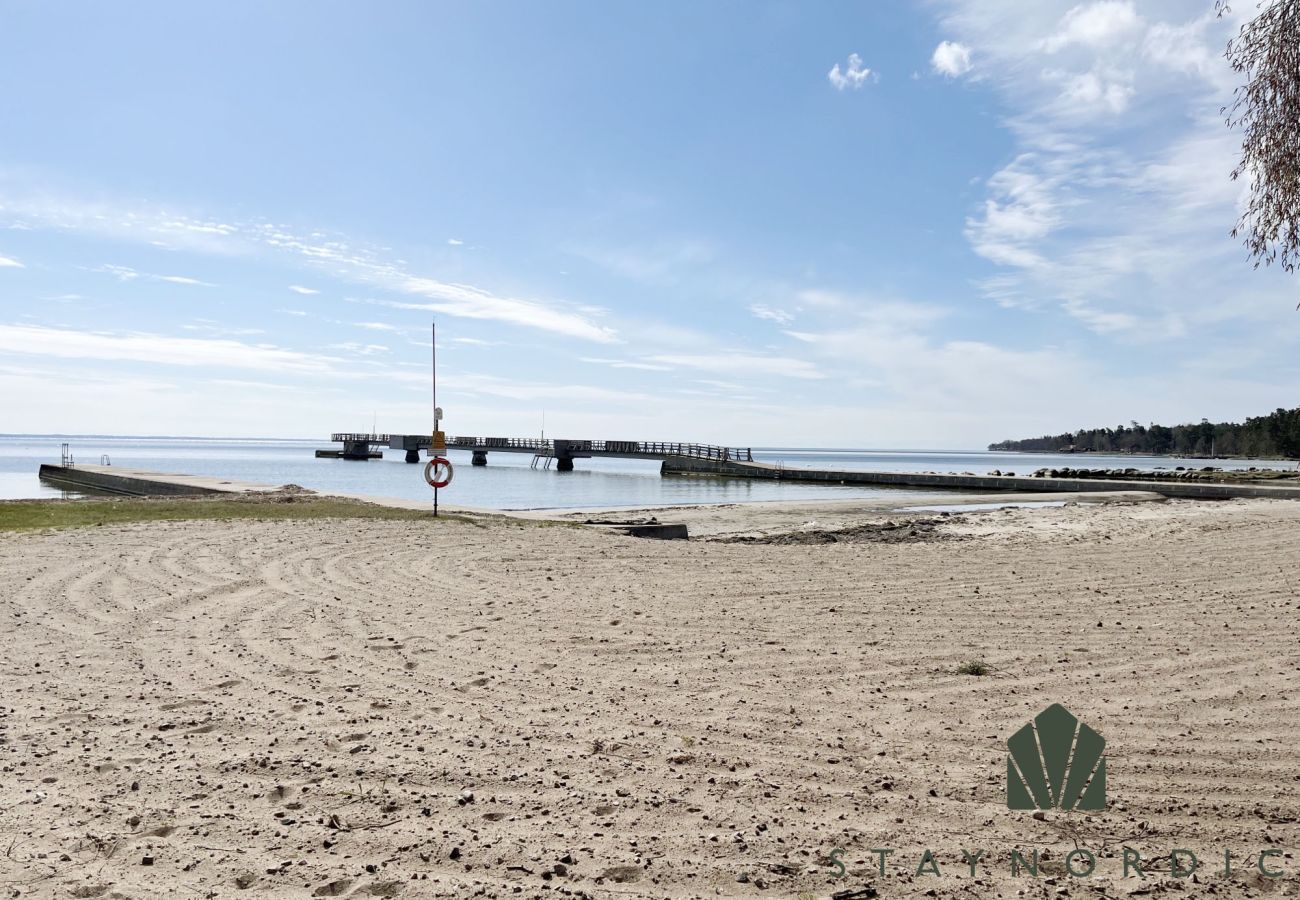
x=508, y=482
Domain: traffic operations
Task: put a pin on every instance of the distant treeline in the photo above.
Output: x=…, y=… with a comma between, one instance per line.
x=1274, y=435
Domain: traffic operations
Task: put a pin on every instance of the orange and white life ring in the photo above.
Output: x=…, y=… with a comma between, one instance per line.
x=437, y=471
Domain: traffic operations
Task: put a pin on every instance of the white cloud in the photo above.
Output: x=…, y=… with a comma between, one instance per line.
x=472, y=303
x=1115, y=212
x=33, y=340
x=293, y=312
x=625, y=364
x=531, y=390
x=1106, y=90
x=1095, y=25
x=1183, y=48
x=1101, y=321
x=338, y=258
x=377, y=326
x=475, y=342
x=779, y=316
x=121, y=273
x=742, y=363
x=305, y=291
x=854, y=75
x=126, y=273
x=359, y=348
x=27, y=206
x=455, y=242
x=7, y=262
x=1022, y=210
x=659, y=262
x=951, y=59
x=207, y=326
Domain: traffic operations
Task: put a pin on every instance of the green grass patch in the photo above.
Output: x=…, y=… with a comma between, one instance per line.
x=18, y=515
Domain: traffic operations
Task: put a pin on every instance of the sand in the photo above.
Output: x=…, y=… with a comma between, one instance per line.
x=380, y=709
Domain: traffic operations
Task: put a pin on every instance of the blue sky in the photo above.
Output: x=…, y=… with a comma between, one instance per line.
x=872, y=224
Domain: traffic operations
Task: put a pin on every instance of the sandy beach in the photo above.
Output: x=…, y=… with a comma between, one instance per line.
x=499, y=708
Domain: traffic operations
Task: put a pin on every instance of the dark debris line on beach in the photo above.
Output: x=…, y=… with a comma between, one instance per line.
x=912, y=531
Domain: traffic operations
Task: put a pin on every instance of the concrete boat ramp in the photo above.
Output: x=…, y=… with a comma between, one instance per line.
x=130, y=482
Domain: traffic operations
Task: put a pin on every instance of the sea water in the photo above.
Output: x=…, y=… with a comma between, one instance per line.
x=509, y=482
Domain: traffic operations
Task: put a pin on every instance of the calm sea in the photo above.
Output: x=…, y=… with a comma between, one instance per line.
x=507, y=482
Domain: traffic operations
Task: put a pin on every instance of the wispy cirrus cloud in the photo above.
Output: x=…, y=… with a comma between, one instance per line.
x=771, y=314
x=336, y=257
x=305, y=291
x=495, y=386
x=472, y=303
x=626, y=364
x=1098, y=24
x=126, y=273
x=1116, y=207
x=8, y=262
x=659, y=262
x=738, y=363
x=142, y=347
x=358, y=348
x=208, y=326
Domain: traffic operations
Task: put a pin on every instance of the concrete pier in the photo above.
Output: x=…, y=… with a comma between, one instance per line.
x=1189, y=489
x=142, y=482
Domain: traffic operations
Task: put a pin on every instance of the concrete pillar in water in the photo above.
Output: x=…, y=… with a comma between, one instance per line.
x=564, y=464
x=479, y=458
x=412, y=456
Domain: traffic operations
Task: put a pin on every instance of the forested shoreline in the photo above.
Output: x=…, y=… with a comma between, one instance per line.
x=1274, y=435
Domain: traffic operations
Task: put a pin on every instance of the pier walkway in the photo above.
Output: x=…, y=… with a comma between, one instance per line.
x=564, y=452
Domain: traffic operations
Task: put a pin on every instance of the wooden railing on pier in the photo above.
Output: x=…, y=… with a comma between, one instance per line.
x=631, y=448
x=559, y=447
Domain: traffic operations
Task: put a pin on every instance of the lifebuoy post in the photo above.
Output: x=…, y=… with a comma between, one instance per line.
x=437, y=471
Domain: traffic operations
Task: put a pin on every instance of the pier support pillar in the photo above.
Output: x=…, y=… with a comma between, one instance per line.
x=356, y=450
x=412, y=455
x=479, y=458
x=564, y=464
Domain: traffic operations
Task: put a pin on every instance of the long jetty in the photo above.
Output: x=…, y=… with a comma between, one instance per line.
x=1203, y=490
x=563, y=452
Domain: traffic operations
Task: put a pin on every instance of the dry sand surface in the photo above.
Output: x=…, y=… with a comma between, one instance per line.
x=455, y=709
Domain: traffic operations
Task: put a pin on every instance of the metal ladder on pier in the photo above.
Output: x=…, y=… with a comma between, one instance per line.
x=545, y=457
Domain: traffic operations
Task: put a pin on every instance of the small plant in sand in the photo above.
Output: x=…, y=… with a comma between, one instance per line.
x=974, y=667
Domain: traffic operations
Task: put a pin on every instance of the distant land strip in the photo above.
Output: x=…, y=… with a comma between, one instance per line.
x=1274, y=436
